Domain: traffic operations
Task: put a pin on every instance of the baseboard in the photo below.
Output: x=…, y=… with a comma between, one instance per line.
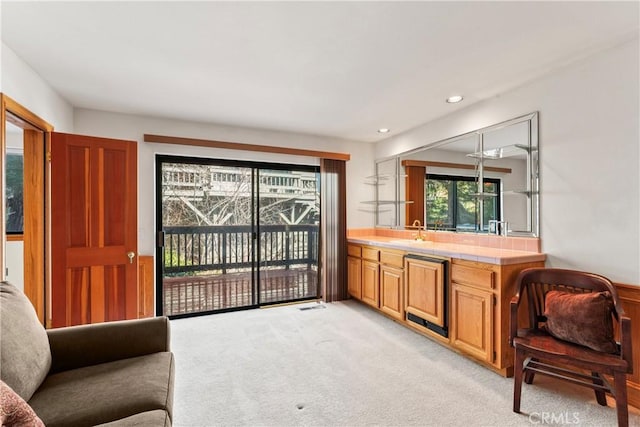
x=145, y=286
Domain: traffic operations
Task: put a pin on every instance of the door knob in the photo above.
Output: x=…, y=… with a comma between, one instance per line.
x=131, y=255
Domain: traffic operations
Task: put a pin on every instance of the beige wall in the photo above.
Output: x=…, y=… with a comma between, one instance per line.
x=589, y=157
x=130, y=127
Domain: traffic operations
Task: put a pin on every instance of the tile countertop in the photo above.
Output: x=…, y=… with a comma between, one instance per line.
x=452, y=250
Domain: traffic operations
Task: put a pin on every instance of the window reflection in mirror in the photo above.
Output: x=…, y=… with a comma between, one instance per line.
x=505, y=155
x=451, y=204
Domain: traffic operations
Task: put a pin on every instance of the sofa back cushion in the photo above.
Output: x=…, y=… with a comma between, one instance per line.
x=25, y=356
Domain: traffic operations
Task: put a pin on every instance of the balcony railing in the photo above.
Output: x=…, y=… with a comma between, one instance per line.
x=223, y=248
x=210, y=268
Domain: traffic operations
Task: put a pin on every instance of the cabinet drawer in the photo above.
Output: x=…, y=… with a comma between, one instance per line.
x=395, y=259
x=472, y=276
x=355, y=251
x=370, y=254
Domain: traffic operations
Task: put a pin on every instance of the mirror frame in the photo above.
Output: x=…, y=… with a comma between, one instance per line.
x=533, y=174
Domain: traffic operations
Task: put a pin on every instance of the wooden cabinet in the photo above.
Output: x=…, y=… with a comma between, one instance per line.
x=375, y=277
x=370, y=283
x=354, y=276
x=472, y=321
x=480, y=295
x=425, y=290
x=472, y=309
x=468, y=313
x=391, y=291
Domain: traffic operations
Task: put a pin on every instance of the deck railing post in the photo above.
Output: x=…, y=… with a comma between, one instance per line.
x=309, y=235
x=224, y=253
x=287, y=249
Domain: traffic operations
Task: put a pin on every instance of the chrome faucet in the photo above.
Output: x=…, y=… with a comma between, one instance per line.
x=416, y=224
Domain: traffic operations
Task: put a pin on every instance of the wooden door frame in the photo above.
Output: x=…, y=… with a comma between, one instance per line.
x=37, y=292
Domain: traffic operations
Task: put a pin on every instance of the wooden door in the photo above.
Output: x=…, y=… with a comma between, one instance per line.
x=354, y=276
x=94, y=229
x=425, y=290
x=391, y=291
x=370, y=282
x=472, y=321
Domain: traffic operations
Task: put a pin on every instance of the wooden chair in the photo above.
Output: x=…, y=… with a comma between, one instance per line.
x=538, y=352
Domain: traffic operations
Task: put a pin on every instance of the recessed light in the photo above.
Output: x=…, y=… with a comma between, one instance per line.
x=455, y=98
x=384, y=130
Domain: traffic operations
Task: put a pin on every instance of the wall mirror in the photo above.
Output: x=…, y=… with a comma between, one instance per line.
x=485, y=181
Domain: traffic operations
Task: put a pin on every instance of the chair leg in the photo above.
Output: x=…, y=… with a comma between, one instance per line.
x=529, y=375
x=620, y=379
x=600, y=395
x=517, y=379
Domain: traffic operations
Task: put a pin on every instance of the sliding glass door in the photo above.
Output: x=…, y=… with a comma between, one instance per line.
x=288, y=225
x=234, y=235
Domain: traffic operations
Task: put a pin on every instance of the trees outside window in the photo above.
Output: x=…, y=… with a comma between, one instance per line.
x=452, y=204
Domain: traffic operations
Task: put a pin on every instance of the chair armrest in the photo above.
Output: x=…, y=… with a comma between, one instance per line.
x=85, y=345
x=513, y=318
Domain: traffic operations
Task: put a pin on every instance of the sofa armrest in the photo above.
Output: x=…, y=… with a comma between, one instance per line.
x=85, y=345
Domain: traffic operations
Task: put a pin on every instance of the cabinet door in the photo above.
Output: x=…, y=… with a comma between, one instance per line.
x=472, y=321
x=425, y=290
x=370, y=283
x=354, y=277
x=391, y=291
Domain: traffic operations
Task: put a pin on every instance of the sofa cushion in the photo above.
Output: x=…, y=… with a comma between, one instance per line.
x=584, y=319
x=25, y=356
x=14, y=411
x=157, y=418
x=106, y=392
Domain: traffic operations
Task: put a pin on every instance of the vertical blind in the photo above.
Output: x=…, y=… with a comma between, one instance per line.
x=333, y=214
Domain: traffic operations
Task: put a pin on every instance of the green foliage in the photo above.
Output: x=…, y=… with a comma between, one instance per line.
x=173, y=259
x=14, y=192
x=448, y=198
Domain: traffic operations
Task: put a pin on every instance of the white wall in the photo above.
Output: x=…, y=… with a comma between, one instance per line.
x=21, y=83
x=15, y=264
x=589, y=158
x=113, y=125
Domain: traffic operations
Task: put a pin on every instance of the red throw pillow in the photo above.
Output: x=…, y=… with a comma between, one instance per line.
x=14, y=411
x=583, y=319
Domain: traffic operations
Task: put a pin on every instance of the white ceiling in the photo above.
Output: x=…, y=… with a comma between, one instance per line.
x=341, y=69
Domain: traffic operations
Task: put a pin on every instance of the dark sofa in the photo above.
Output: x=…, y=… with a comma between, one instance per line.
x=108, y=374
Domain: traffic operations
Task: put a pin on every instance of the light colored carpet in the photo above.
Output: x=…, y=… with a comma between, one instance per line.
x=346, y=365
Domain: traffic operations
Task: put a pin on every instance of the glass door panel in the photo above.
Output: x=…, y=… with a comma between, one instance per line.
x=208, y=238
x=288, y=226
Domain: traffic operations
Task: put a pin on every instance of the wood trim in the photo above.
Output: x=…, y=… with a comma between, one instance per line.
x=145, y=286
x=26, y=116
x=47, y=258
x=15, y=237
x=414, y=191
x=3, y=151
x=37, y=292
x=426, y=163
x=246, y=147
x=630, y=299
x=34, y=219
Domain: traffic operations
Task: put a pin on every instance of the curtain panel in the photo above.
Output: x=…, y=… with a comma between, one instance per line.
x=333, y=214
